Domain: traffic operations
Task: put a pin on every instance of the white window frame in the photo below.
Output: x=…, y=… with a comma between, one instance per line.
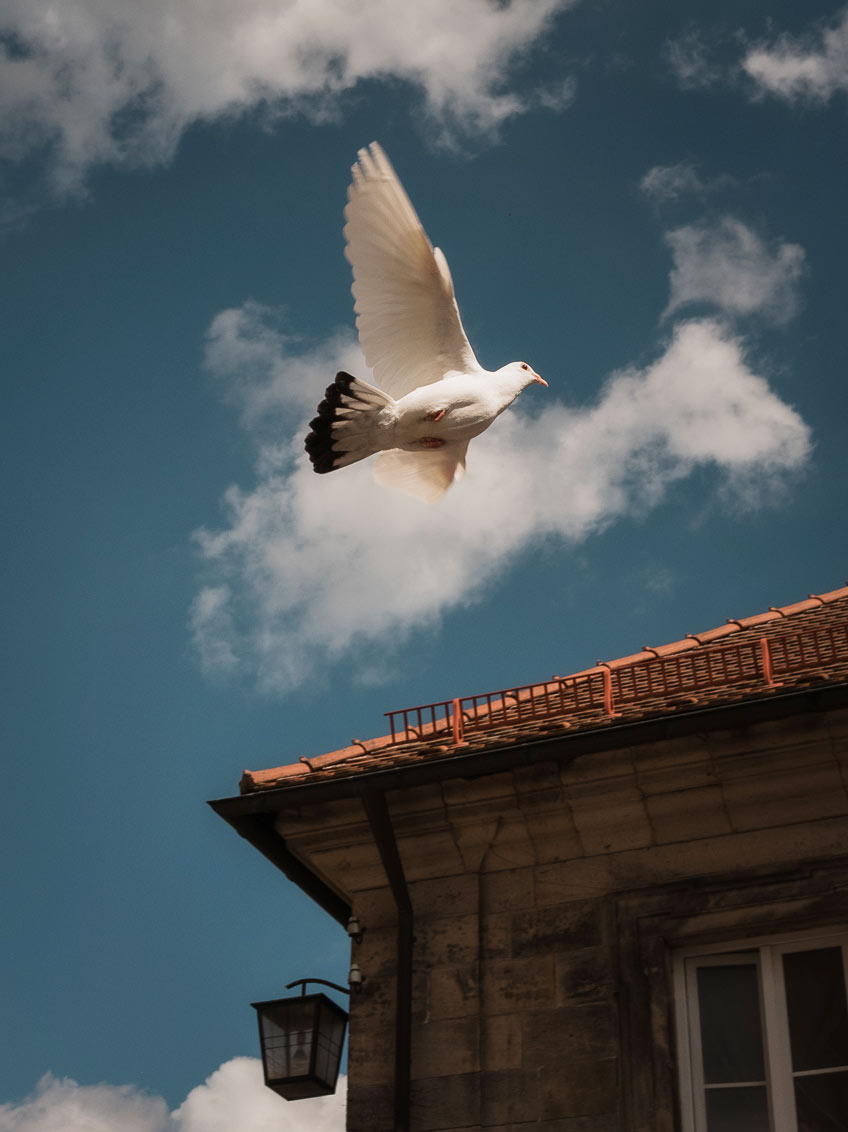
x=766, y=953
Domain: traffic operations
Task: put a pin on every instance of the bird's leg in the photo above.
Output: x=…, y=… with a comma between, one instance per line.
x=431, y=442
x=436, y=415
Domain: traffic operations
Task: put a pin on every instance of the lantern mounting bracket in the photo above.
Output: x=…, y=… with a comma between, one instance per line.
x=324, y=982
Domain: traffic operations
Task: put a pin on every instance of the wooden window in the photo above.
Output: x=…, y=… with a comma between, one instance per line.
x=763, y=1036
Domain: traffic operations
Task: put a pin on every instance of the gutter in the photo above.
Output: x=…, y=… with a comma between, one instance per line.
x=380, y=821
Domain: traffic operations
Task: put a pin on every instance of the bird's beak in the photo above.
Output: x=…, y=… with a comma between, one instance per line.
x=540, y=380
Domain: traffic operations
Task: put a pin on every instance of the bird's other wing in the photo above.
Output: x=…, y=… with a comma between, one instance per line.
x=427, y=475
x=407, y=317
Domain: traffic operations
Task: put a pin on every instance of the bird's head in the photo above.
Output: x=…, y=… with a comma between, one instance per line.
x=523, y=375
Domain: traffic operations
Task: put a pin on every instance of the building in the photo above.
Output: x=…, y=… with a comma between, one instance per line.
x=616, y=900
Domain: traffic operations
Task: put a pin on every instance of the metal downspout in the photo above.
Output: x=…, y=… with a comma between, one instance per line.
x=380, y=821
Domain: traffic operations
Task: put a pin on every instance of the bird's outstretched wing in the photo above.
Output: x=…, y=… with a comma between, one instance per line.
x=426, y=475
x=407, y=317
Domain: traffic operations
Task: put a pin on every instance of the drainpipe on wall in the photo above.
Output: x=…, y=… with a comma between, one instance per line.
x=380, y=821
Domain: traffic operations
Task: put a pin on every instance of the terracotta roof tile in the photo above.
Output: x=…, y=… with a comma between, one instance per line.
x=757, y=619
x=790, y=646
x=709, y=635
x=674, y=647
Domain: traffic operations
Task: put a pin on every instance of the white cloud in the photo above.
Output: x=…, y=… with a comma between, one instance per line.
x=118, y=82
x=814, y=66
x=248, y=350
x=663, y=183
x=233, y=1097
x=689, y=61
x=729, y=265
x=64, y=1106
x=323, y=569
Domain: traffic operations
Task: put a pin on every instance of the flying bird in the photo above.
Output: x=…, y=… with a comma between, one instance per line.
x=433, y=396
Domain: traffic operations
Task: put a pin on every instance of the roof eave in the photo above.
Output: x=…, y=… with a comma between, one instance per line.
x=561, y=747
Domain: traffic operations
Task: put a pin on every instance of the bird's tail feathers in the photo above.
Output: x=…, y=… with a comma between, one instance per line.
x=343, y=431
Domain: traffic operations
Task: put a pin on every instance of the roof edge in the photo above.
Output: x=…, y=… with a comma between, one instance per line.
x=475, y=764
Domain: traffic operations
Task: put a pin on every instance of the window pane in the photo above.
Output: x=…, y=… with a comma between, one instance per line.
x=822, y=1102
x=743, y=1109
x=731, y=1034
x=815, y=999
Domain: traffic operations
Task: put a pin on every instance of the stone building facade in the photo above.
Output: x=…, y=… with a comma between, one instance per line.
x=615, y=901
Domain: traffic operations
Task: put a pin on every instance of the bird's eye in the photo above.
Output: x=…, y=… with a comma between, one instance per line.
x=524, y=365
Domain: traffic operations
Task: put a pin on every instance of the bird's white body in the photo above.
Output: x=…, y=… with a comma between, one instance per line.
x=431, y=396
x=470, y=402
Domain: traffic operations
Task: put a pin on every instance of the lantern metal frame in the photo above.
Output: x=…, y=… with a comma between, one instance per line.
x=302, y=1038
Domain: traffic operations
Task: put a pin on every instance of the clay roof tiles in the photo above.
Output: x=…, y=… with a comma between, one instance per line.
x=791, y=645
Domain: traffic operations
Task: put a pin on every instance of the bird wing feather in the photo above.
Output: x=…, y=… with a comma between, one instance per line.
x=407, y=316
x=426, y=475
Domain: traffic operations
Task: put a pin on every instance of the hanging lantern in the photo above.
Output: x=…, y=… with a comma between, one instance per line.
x=302, y=1040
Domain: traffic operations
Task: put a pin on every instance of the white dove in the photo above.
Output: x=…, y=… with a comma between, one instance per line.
x=434, y=395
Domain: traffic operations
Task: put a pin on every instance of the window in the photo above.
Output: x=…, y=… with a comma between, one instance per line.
x=763, y=1036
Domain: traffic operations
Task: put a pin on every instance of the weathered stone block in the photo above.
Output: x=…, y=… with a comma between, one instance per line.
x=452, y=992
x=370, y=1108
x=442, y=1049
x=446, y=940
x=598, y=766
x=445, y=1102
x=561, y=927
x=500, y=1042
x=671, y=755
x=767, y=760
x=508, y=1096
x=568, y=1033
x=598, y=1123
x=432, y=853
x=375, y=908
x=579, y=1088
x=508, y=890
x=449, y=896
x=351, y=868
x=610, y=820
x=687, y=776
x=775, y=798
x=496, y=936
x=564, y=881
x=518, y=984
x=687, y=814
x=583, y=976
x=474, y=841
x=554, y=834
x=717, y=855
x=489, y=787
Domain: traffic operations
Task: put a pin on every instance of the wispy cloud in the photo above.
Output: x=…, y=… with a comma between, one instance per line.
x=663, y=184
x=814, y=66
x=87, y=83
x=309, y=571
x=233, y=1097
x=726, y=264
x=691, y=62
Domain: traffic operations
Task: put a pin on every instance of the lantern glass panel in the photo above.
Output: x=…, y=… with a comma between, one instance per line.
x=302, y=1039
x=330, y=1039
x=287, y=1033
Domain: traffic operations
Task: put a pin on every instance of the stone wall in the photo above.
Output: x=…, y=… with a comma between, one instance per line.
x=547, y=901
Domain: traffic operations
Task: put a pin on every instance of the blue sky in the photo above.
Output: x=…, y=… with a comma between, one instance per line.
x=646, y=202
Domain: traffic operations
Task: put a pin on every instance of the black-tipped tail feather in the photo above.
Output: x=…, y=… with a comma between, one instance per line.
x=340, y=433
